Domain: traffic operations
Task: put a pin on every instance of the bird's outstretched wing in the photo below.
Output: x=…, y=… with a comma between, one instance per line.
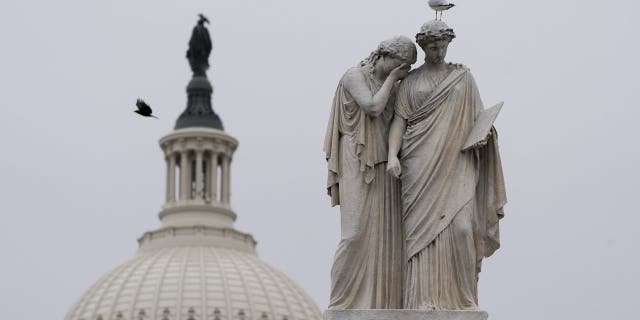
x=143, y=107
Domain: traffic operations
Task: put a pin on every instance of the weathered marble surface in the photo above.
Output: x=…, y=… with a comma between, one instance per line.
x=405, y=314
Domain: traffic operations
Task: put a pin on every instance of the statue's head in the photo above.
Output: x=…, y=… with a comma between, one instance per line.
x=434, y=38
x=399, y=47
x=202, y=19
x=392, y=53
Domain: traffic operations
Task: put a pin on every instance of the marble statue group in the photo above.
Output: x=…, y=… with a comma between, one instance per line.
x=418, y=211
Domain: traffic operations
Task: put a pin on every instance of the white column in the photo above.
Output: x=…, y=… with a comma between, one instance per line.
x=206, y=190
x=213, y=176
x=166, y=160
x=185, y=175
x=226, y=181
x=171, y=172
x=199, y=191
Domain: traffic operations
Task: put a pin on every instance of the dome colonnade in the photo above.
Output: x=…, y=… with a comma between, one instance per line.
x=198, y=174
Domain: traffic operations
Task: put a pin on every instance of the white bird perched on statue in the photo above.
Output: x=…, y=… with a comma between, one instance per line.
x=439, y=6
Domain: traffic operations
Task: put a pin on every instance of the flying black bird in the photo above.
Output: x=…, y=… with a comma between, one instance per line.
x=143, y=109
x=439, y=6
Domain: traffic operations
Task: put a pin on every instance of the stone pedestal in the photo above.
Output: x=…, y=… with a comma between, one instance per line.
x=403, y=314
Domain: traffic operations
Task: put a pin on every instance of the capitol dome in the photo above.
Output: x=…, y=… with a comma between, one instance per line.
x=195, y=282
x=196, y=266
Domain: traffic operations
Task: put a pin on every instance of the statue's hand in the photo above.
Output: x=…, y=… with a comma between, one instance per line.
x=400, y=72
x=482, y=143
x=393, y=166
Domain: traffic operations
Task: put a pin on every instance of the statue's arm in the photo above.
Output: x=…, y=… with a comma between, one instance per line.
x=371, y=103
x=398, y=126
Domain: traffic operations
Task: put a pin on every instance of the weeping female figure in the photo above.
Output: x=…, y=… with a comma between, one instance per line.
x=367, y=268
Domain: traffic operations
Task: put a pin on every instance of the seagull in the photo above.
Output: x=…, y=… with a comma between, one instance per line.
x=143, y=109
x=439, y=6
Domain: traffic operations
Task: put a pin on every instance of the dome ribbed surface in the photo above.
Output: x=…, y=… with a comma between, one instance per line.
x=195, y=282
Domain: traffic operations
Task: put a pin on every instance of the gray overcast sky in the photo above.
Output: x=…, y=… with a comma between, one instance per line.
x=82, y=176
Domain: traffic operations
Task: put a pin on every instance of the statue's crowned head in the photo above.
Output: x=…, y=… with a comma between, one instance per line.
x=434, y=30
x=400, y=47
x=202, y=19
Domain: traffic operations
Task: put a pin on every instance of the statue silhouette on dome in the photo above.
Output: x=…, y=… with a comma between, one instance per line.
x=199, y=48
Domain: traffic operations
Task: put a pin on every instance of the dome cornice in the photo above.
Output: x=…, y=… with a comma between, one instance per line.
x=198, y=235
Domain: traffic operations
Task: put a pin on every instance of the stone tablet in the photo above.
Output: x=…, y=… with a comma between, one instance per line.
x=483, y=125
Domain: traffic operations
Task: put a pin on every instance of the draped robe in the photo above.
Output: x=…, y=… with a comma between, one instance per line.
x=452, y=200
x=368, y=265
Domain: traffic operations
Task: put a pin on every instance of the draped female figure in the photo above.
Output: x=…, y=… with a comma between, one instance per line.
x=452, y=199
x=367, y=268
